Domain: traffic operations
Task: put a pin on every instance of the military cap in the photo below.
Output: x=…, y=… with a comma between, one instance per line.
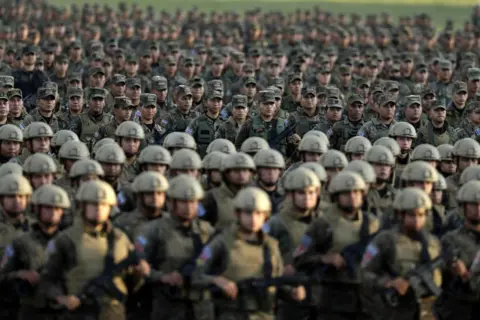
x=188, y=61
x=215, y=84
x=277, y=82
x=122, y=102
x=248, y=67
x=96, y=93
x=197, y=81
x=330, y=51
x=385, y=99
x=333, y=92
x=391, y=85
x=309, y=90
x=159, y=83
x=133, y=82
x=427, y=91
x=395, y=68
x=413, y=99
x=238, y=57
x=438, y=105
x=74, y=92
x=421, y=67
x=107, y=61
x=445, y=65
x=344, y=69
x=324, y=69
x=96, y=56
x=254, y=52
x=266, y=96
x=3, y=96
x=183, y=90
x=14, y=93
x=249, y=80
x=355, y=98
x=7, y=81
x=50, y=85
x=46, y=92
x=273, y=62
x=215, y=94
x=239, y=100
x=74, y=77
x=473, y=105
x=473, y=74
x=76, y=44
x=62, y=58
x=407, y=57
x=372, y=63
x=293, y=77
x=145, y=53
x=217, y=59
x=97, y=70
x=119, y=78
x=131, y=58
x=333, y=102
x=148, y=99
x=459, y=86
x=170, y=61
x=29, y=49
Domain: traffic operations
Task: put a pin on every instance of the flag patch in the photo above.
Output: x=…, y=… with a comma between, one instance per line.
x=305, y=242
x=371, y=252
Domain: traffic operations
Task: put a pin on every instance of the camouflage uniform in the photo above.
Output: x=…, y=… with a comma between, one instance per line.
x=37, y=117
x=230, y=128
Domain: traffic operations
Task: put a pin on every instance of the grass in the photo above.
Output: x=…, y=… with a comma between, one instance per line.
x=440, y=10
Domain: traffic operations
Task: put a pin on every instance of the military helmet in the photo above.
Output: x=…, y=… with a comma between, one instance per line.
x=467, y=148
x=10, y=167
x=318, y=169
x=269, y=158
x=412, y=199
x=253, y=145
x=222, y=145
x=441, y=184
x=301, y=178
x=312, y=143
x=357, y=145
x=15, y=185
x=402, y=129
x=110, y=153
x=213, y=160
x=390, y=143
x=39, y=163
x=186, y=159
x=52, y=196
x=149, y=181
x=469, y=192
x=333, y=159
x=37, y=130
x=470, y=173
x=419, y=171
x=96, y=191
x=446, y=152
x=380, y=155
x=62, y=136
x=130, y=129
x=238, y=160
x=179, y=140
x=320, y=134
x=86, y=167
x=101, y=143
x=364, y=169
x=155, y=155
x=346, y=181
x=185, y=187
x=10, y=132
x=425, y=152
x=252, y=199
x=73, y=150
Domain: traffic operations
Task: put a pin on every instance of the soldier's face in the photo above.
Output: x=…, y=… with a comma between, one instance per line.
x=355, y=111
x=239, y=177
x=4, y=108
x=197, y=92
x=251, y=222
x=134, y=92
x=437, y=196
x=334, y=114
x=47, y=103
x=239, y=112
x=413, y=112
x=41, y=144
x=250, y=90
x=424, y=185
x=123, y=114
x=387, y=111
x=154, y=200
x=97, y=80
x=415, y=220
x=39, y=180
x=185, y=210
x=305, y=199
x=460, y=98
x=75, y=104
x=96, y=214
x=269, y=176
x=311, y=156
x=474, y=85
x=448, y=166
x=215, y=104
x=464, y=163
x=309, y=101
x=268, y=109
x=438, y=115
x=472, y=213
x=96, y=105
x=185, y=102
x=15, y=205
x=50, y=216
x=10, y=149
x=130, y=146
x=351, y=200
x=296, y=86
x=405, y=143
x=382, y=171
x=155, y=167
x=148, y=112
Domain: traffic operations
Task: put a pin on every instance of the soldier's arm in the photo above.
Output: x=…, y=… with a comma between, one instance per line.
x=26, y=121
x=276, y=229
x=420, y=138
x=334, y=138
x=242, y=135
x=364, y=132
x=76, y=126
x=10, y=262
x=211, y=262
x=152, y=245
x=211, y=211
x=220, y=133
x=314, y=244
x=192, y=128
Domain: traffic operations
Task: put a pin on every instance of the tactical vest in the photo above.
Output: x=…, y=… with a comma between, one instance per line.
x=205, y=131
x=182, y=122
x=258, y=128
x=90, y=127
x=438, y=139
x=304, y=123
x=224, y=200
x=231, y=131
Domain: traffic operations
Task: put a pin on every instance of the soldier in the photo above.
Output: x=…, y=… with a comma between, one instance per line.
x=211, y=166
x=253, y=145
x=187, y=162
x=264, y=125
x=323, y=245
x=179, y=140
x=466, y=153
x=461, y=247
x=456, y=109
x=333, y=114
x=393, y=253
x=438, y=204
x=112, y=159
x=221, y=145
x=4, y=108
x=154, y=158
x=171, y=270
x=404, y=134
x=356, y=147
x=237, y=171
x=133, y=91
x=11, y=138
x=270, y=165
x=203, y=127
x=60, y=138
x=122, y=111
x=437, y=131
x=292, y=101
x=39, y=169
x=427, y=153
x=148, y=108
x=378, y=127
x=129, y=135
x=70, y=152
x=468, y=127
x=74, y=108
x=180, y=117
x=443, y=84
x=116, y=89
x=413, y=112
x=307, y=116
x=60, y=74
x=347, y=128
x=230, y=128
x=74, y=258
x=251, y=249
x=10, y=167
x=447, y=166
x=45, y=108
x=26, y=255
x=17, y=112
x=37, y=137
x=88, y=123
x=333, y=161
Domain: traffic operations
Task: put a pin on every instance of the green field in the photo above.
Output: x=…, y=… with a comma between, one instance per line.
x=459, y=11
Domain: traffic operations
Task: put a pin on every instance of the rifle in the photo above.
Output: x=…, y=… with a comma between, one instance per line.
x=274, y=140
x=103, y=286
x=421, y=281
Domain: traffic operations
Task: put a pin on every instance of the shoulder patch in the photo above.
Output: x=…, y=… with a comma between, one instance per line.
x=21, y=126
x=201, y=210
x=140, y=244
x=369, y=254
x=50, y=247
x=206, y=254
x=477, y=132
x=285, y=122
x=305, y=242
x=476, y=262
x=329, y=132
x=266, y=227
x=121, y=198
x=189, y=131
x=164, y=121
x=361, y=133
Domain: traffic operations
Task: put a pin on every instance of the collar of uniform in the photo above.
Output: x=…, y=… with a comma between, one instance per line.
x=227, y=190
x=4, y=218
x=178, y=224
x=238, y=234
x=291, y=212
x=47, y=236
x=452, y=108
x=107, y=227
x=334, y=211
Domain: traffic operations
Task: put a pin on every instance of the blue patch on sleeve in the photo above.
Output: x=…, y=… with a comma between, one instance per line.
x=206, y=254
x=121, y=198
x=361, y=133
x=189, y=131
x=266, y=227
x=201, y=210
x=305, y=242
x=9, y=251
x=477, y=132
